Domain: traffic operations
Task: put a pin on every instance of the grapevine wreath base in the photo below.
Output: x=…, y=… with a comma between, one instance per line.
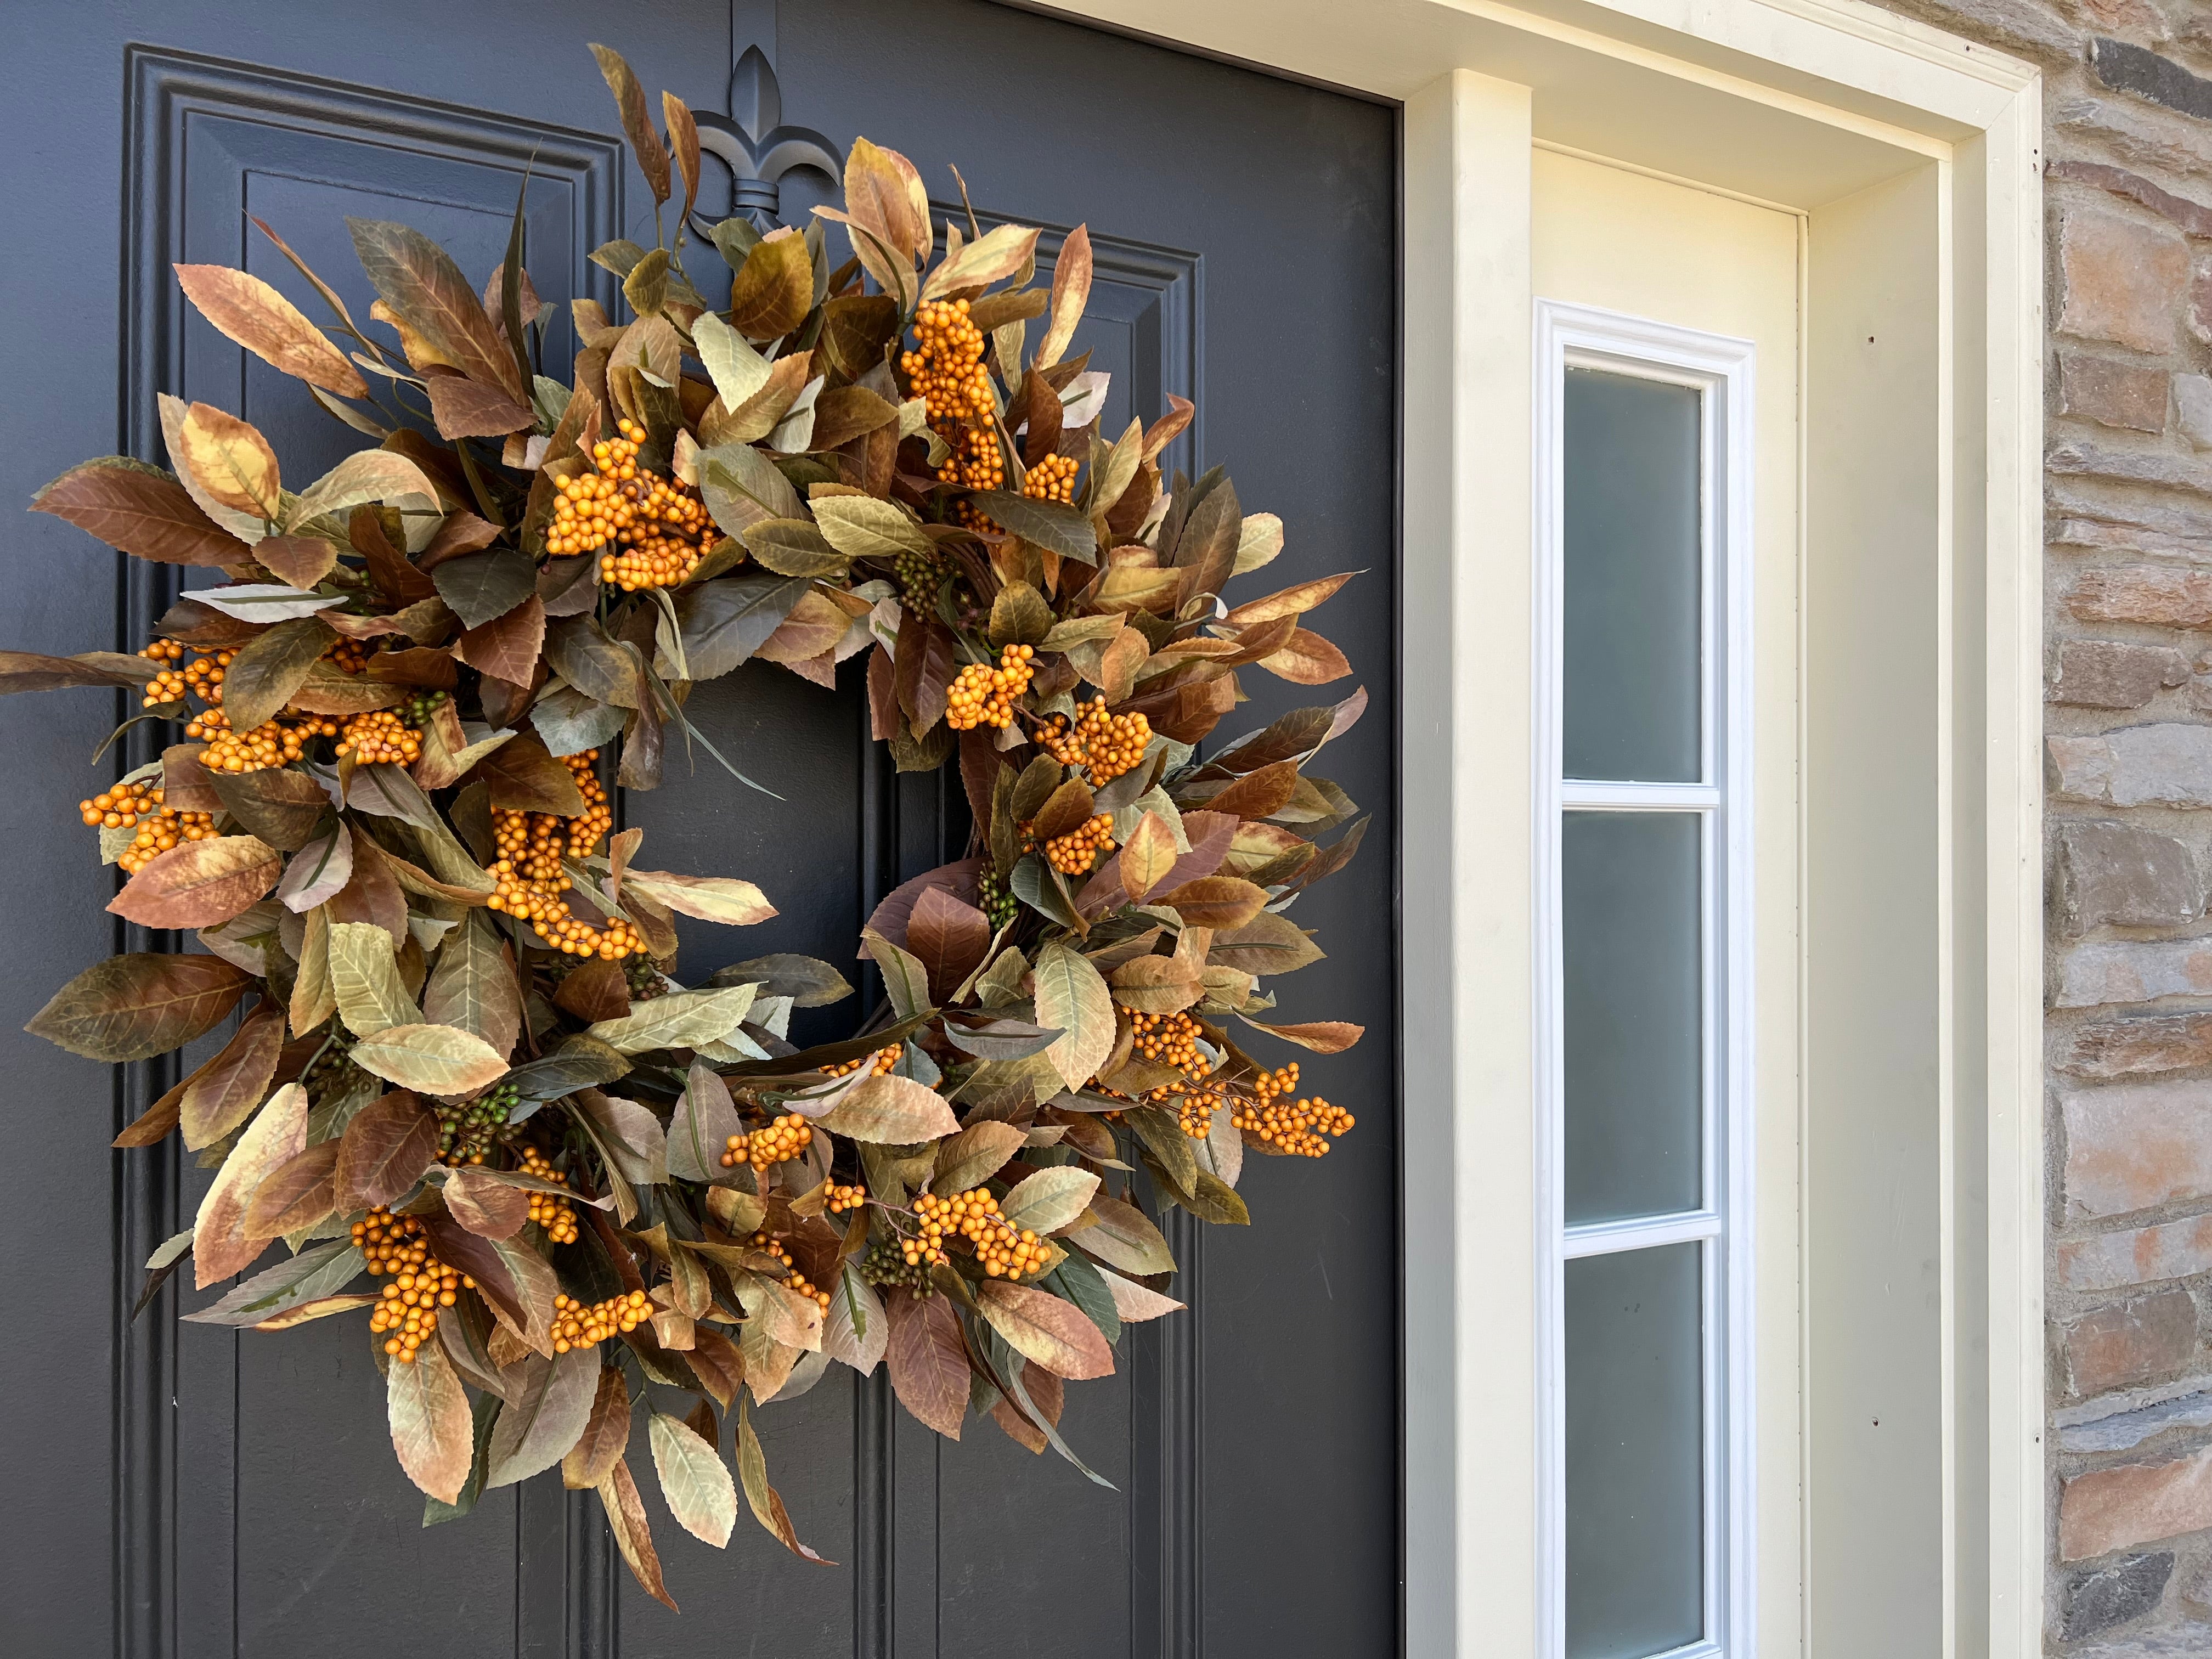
x=466, y=1069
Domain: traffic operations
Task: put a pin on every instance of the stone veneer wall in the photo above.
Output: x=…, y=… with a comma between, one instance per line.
x=2128, y=530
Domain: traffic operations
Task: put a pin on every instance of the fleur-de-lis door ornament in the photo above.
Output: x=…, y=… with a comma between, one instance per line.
x=757, y=147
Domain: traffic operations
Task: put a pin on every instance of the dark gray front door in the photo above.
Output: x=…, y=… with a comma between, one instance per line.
x=180, y=1491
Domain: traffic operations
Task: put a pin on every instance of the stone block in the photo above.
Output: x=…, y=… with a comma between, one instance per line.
x=2128, y=1589
x=2161, y=765
x=2123, y=281
x=2117, y=1509
x=2112, y=674
x=2140, y=1256
x=2144, y=1341
x=2125, y=1430
x=2137, y=1146
x=2132, y=970
x=2200, y=301
x=2113, y=393
x=2105, y=872
x=2139, y=1047
x=2162, y=595
x=2192, y=401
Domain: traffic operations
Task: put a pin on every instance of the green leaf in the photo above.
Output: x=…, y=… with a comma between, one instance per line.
x=481, y=586
x=736, y=368
x=1048, y=1200
x=436, y=1060
x=414, y=276
x=1039, y=1326
x=1071, y=995
x=1054, y=526
x=725, y=621
x=307, y=1277
x=741, y=487
x=1124, y=1237
x=809, y=982
x=550, y=1407
x=365, y=976
x=578, y=1062
x=269, y=667
x=862, y=527
x=906, y=982
x=682, y=1019
x=694, y=1481
x=472, y=988
x=794, y=547
x=699, y=1130
x=431, y=1431
x=974, y=1155
x=1087, y=1287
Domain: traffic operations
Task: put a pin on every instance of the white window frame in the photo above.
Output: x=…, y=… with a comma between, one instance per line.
x=1723, y=371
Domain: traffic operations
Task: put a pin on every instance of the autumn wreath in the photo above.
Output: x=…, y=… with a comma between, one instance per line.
x=468, y=1069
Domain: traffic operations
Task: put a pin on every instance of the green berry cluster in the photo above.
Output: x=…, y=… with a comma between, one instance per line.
x=885, y=1266
x=467, y=1129
x=418, y=709
x=332, y=1071
x=642, y=974
x=996, y=900
x=920, y=576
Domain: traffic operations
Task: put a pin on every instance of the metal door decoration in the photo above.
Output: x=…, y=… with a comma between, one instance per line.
x=468, y=1069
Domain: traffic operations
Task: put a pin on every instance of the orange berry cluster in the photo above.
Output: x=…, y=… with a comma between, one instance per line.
x=555, y=1215
x=160, y=828
x=974, y=1215
x=350, y=656
x=983, y=696
x=380, y=738
x=421, y=1284
x=271, y=744
x=878, y=1064
x=577, y=1326
x=660, y=527
x=946, y=370
x=1074, y=853
x=1173, y=1040
x=797, y=1281
x=1052, y=479
x=1104, y=745
x=203, y=675
x=531, y=879
x=842, y=1199
x=782, y=1140
x=1290, y=1126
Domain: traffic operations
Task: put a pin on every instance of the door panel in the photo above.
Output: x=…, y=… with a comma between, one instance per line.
x=1245, y=238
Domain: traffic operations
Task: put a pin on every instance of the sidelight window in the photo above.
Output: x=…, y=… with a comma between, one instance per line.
x=1643, y=543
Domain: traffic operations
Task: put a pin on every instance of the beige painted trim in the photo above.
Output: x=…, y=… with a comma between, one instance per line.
x=1468, y=401
x=1805, y=103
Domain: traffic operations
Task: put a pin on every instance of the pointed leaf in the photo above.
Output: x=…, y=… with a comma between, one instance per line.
x=600, y=1447
x=700, y=1130
x=133, y=1007
x=200, y=884
x=890, y=1111
x=928, y=1361
x=220, y=1245
x=140, y=510
x=437, y=1059
x=1048, y=1200
x=626, y=1518
x=433, y=1430
x=1041, y=1327
x=386, y=1147
x=725, y=899
x=694, y=1479
x=218, y=1096
x=547, y=1412
x=1070, y=995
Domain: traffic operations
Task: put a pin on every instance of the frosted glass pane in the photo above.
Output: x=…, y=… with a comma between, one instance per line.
x=1632, y=588
x=1629, y=885
x=1635, y=1453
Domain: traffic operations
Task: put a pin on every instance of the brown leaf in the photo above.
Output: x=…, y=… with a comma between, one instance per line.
x=928, y=1361
x=626, y=1518
x=185, y=784
x=1292, y=601
x=523, y=777
x=279, y=1134
x=247, y=310
x=949, y=937
x=275, y=804
x=221, y=1094
x=682, y=144
x=1041, y=1327
x=1046, y=1392
x=637, y=123
x=486, y=1206
x=774, y=290
x=598, y=990
x=389, y=566
x=1308, y=660
x=302, y=561
x=1068, y=807
x=1156, y=985
x=600, y=1448
x=200, y=884
x=372, y=893
x=151, y=1127
x=506, y=646
x=716, y=1363
x=385, y=1150
x=1147, y=856
x=231, y=461
x=846, y=413
x=424, y=288
x=1070, y=292
x=1258, y=794
x=433, y=1432
x=1324, y=1036
x=140, y=510
x=462, y=408
x=297, y=1194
